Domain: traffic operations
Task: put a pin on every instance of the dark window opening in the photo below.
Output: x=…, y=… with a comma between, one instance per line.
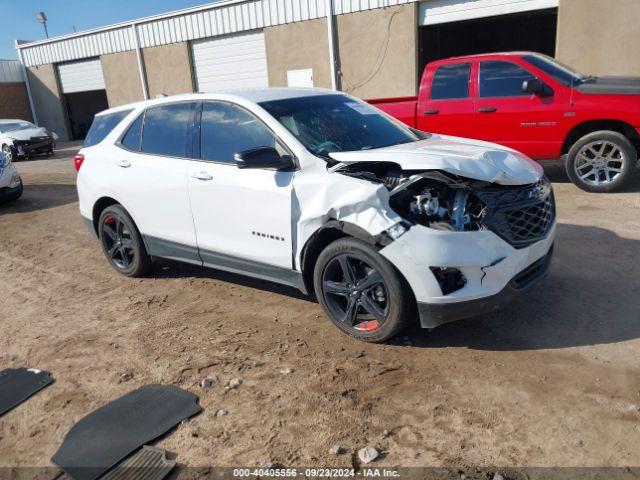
x=531, y=31
x=81, y=109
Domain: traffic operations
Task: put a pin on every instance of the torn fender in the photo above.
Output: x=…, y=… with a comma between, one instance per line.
x=320, y=197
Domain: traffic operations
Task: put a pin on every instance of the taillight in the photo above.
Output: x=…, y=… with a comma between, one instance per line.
x=77, y=161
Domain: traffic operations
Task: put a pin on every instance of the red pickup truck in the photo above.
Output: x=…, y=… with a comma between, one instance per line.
x=534, y=104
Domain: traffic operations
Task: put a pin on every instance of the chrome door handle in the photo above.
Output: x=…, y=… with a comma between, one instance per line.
x=202, y=176
x=123, y=164
x=488, y=110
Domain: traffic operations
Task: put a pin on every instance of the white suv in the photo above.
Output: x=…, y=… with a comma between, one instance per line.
x=321, y=191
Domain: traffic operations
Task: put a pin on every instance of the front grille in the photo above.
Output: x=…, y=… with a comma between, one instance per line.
x=520, y=215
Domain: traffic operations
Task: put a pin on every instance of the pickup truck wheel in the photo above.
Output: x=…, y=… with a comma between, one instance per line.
x=360, y=291
x=122, y=243
x=601, y=162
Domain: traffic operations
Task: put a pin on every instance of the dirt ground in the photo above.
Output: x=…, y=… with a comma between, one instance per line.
x=554, y=380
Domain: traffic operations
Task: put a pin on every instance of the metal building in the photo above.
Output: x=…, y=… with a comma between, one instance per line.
x=370, y=48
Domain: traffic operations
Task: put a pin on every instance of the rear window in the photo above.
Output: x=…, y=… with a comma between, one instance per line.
x=103, y=125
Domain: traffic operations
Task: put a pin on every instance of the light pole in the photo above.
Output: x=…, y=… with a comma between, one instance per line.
x=42, y=18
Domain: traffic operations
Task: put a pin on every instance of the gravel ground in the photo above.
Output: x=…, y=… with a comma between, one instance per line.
x=551, y=381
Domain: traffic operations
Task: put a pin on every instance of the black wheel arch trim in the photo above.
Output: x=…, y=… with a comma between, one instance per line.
x=329, y=232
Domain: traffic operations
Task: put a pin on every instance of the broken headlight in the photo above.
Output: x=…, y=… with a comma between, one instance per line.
x=436, y=201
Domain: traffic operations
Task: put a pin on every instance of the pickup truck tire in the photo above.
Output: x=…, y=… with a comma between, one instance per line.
x=601, y=162
x=361, y=292
x=122, y=243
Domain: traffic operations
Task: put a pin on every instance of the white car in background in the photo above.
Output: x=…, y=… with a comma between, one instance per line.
x=22, y=139
x=10, y=182
x=321, y=191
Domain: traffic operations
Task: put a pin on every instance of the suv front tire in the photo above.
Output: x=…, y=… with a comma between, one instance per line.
x=361, y=292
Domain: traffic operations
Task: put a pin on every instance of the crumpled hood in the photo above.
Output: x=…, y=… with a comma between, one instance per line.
x=27, y=133
x=459, y=156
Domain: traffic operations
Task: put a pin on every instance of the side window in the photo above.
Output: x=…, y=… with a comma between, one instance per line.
x=228, y=129
x=502, y=79
x=451, y=81
x=165, y=129
x=133, y=138
x=102, y=126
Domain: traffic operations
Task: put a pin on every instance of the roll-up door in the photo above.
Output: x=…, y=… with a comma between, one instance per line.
x=433, y=12
x=83, y=76
x=232, y=61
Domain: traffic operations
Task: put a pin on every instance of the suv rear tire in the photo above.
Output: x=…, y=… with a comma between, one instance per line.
x=122, y=243
x=601, y=162
x=361, y=292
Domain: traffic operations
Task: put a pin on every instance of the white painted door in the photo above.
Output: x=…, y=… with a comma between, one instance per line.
x=82, y=76
x=433, y=12
x=149, y=175
x=239, y=214
x=232, y=61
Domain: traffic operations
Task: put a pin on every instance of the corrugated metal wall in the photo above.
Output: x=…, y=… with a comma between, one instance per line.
x=210, y=21
x=10, y=71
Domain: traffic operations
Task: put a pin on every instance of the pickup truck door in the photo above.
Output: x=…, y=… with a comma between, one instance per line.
x=242, y=217
x=445, y=103
x=506, y=115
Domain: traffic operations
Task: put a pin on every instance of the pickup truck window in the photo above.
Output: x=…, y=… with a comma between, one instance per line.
x=555, y=69
x=451, y=82
x=502, y=79
x=337, y=123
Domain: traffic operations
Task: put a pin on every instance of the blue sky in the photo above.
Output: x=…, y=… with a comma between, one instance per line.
x=18, y=18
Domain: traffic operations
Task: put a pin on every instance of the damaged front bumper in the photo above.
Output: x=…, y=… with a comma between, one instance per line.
x=25, y=148
x=493, y=271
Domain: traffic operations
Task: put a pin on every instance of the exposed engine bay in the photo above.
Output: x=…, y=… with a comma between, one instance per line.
x=433, y=199
x=519, y=214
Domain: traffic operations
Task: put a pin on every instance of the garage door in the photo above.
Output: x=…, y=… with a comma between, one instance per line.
x=81, y=76
x=443, y=11
x=233, y=61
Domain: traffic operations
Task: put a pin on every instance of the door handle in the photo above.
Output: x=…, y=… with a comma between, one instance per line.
x=431, y=112
x=202, y=176
x=123, y=164
x=488, y=110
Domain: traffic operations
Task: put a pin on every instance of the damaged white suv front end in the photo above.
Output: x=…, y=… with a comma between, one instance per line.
x=478, y=222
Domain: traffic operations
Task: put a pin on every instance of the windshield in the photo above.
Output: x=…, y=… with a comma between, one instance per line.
x=337, y=123
x=555, y=69
x=12, y=127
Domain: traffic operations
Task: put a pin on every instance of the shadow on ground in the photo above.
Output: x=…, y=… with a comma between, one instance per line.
x=589, y=297
x=40, y=197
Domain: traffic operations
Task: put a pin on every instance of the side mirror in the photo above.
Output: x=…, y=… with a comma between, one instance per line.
x=265, y=158
x=533, y=86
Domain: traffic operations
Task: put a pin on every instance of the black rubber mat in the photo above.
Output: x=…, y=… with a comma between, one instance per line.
x=18, y=384
x=106, y=436
x=148, y=463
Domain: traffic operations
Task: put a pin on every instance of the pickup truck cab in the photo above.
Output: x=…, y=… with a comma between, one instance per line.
x=534, y=104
